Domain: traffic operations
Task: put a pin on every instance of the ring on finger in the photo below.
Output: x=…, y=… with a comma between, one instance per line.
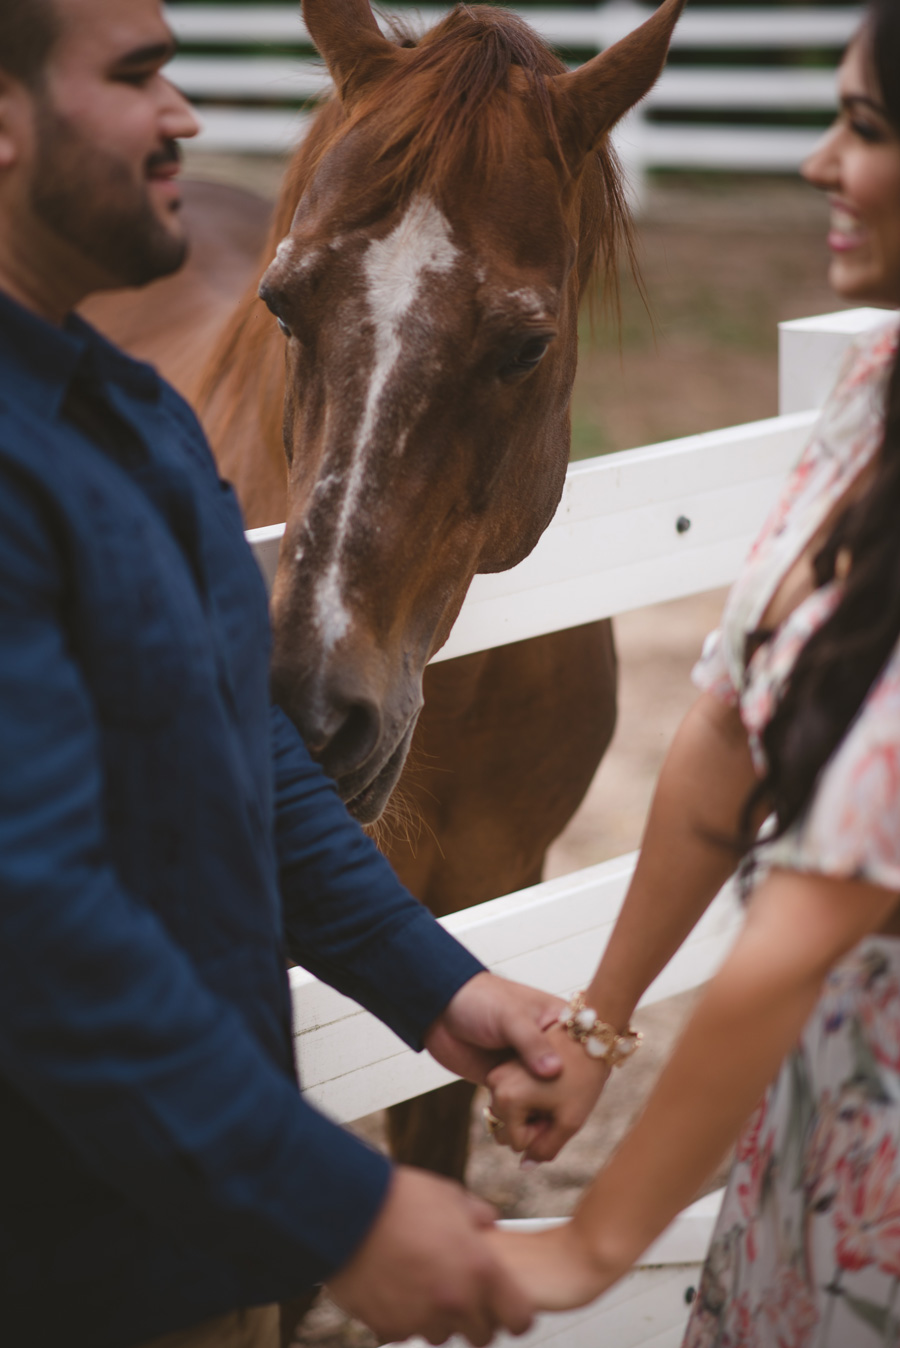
x=491, y=1123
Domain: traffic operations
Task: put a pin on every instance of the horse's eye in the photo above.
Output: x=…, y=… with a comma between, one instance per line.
x=527, y=358
x=284, y=327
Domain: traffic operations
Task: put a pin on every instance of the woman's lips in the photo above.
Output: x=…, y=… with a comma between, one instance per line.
x=845, y=232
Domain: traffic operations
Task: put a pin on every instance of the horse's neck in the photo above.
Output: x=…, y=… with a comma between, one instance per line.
x=240, y=402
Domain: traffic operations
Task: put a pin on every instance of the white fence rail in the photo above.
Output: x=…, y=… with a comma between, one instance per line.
x=550, y=936
x=253, y=102
x=633, y=528
x=586, y=566
x=615, y=544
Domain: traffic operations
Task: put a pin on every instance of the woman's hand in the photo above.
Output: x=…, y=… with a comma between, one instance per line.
x=556, y=1266
x=539, y=1117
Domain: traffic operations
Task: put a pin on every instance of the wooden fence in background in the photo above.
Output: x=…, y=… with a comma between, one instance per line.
x=741, y=88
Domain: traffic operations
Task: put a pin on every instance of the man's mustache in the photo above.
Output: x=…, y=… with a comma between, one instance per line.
x=170, y=153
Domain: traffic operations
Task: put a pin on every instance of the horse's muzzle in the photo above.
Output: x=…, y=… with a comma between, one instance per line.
x=360, y=739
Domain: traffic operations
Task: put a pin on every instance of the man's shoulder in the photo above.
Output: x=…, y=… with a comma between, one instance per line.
x=27, y=445
x=144, y=379
x=138, y=374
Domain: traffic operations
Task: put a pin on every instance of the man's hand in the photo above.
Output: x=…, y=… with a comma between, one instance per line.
x=426, y=1267
x=539, y=1117
x=491, y=1019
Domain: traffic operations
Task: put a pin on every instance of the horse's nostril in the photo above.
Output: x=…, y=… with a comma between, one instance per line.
x=353, y=739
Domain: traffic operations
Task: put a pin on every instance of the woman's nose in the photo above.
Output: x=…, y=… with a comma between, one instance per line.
x=821, y=168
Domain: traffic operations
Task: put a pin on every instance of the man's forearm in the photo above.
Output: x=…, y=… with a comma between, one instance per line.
x=348, y=919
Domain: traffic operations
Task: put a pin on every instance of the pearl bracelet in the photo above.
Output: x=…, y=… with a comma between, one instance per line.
x=599, y=1039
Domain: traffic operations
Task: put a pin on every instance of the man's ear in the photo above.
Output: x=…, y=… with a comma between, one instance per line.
x=14, y=119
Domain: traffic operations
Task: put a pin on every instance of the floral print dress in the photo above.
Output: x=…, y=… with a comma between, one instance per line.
x=806, y=1250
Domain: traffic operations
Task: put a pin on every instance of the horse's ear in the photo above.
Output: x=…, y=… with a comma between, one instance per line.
x=591, y=99
x=350, y=43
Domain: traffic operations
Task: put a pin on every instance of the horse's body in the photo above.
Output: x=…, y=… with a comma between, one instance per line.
x=426, y=260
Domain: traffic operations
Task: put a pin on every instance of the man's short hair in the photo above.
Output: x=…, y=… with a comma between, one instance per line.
x=28, y=30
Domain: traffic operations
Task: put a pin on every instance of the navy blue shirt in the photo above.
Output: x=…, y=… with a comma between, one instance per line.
x=164, y=839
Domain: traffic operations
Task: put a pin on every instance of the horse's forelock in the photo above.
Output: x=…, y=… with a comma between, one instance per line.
x=447, y=111
x=449, y=117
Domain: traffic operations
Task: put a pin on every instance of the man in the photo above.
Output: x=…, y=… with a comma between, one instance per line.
x=163, y=832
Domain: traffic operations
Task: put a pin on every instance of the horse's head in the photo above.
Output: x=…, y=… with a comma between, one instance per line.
x=428, y=291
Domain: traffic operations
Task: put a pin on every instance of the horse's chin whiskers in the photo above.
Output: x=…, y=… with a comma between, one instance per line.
x=401, y=821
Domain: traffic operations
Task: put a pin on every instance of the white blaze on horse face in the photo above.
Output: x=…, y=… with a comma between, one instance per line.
x=394, y=270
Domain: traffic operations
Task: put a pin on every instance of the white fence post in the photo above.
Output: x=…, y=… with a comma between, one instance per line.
x=810, y=351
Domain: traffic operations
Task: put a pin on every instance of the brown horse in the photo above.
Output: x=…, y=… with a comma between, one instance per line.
x=434, y=237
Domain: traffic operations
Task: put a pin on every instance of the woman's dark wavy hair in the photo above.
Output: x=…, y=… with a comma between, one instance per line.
x=841, y=661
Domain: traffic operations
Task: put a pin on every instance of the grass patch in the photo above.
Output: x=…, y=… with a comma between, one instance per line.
x=589, y=437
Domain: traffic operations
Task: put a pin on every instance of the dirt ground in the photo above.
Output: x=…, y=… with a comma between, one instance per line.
x=723, y=261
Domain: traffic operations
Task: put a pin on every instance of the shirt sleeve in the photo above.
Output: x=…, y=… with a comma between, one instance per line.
x=348, y=919
x=851, y=827
x=158, y=1085
x=711, y=673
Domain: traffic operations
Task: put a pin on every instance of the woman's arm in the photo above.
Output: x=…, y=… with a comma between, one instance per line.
x=752, y=1012
x=704, y=782
x=684, y=859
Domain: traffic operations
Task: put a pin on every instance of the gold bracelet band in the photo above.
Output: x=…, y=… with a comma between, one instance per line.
x=599, y=1040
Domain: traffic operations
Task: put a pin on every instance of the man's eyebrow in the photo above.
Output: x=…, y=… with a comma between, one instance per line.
x=155, y=53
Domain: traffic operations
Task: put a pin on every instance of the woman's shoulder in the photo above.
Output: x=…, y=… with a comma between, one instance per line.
x=869, y=359
x=846, y=435
x=849, y=428
x=852, y=824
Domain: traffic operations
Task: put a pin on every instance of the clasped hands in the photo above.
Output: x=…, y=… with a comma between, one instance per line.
x=433, y=1262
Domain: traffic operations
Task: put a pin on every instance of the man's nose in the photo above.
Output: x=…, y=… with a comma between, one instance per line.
x=179, y=120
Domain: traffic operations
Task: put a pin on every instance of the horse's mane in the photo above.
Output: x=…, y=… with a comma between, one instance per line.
x=448, y=115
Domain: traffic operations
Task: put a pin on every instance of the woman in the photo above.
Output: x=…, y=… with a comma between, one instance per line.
x=799, y=719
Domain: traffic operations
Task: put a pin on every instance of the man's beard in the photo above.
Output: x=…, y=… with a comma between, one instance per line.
x=90, y=199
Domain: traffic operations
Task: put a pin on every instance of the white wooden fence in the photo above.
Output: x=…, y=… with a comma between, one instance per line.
x=615, y=544
x=253, y=102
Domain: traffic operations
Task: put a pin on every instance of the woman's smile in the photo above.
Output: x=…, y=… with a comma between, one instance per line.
x=857, y=164
x=845, y=232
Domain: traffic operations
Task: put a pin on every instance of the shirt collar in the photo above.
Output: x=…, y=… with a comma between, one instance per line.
x=42, y=358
